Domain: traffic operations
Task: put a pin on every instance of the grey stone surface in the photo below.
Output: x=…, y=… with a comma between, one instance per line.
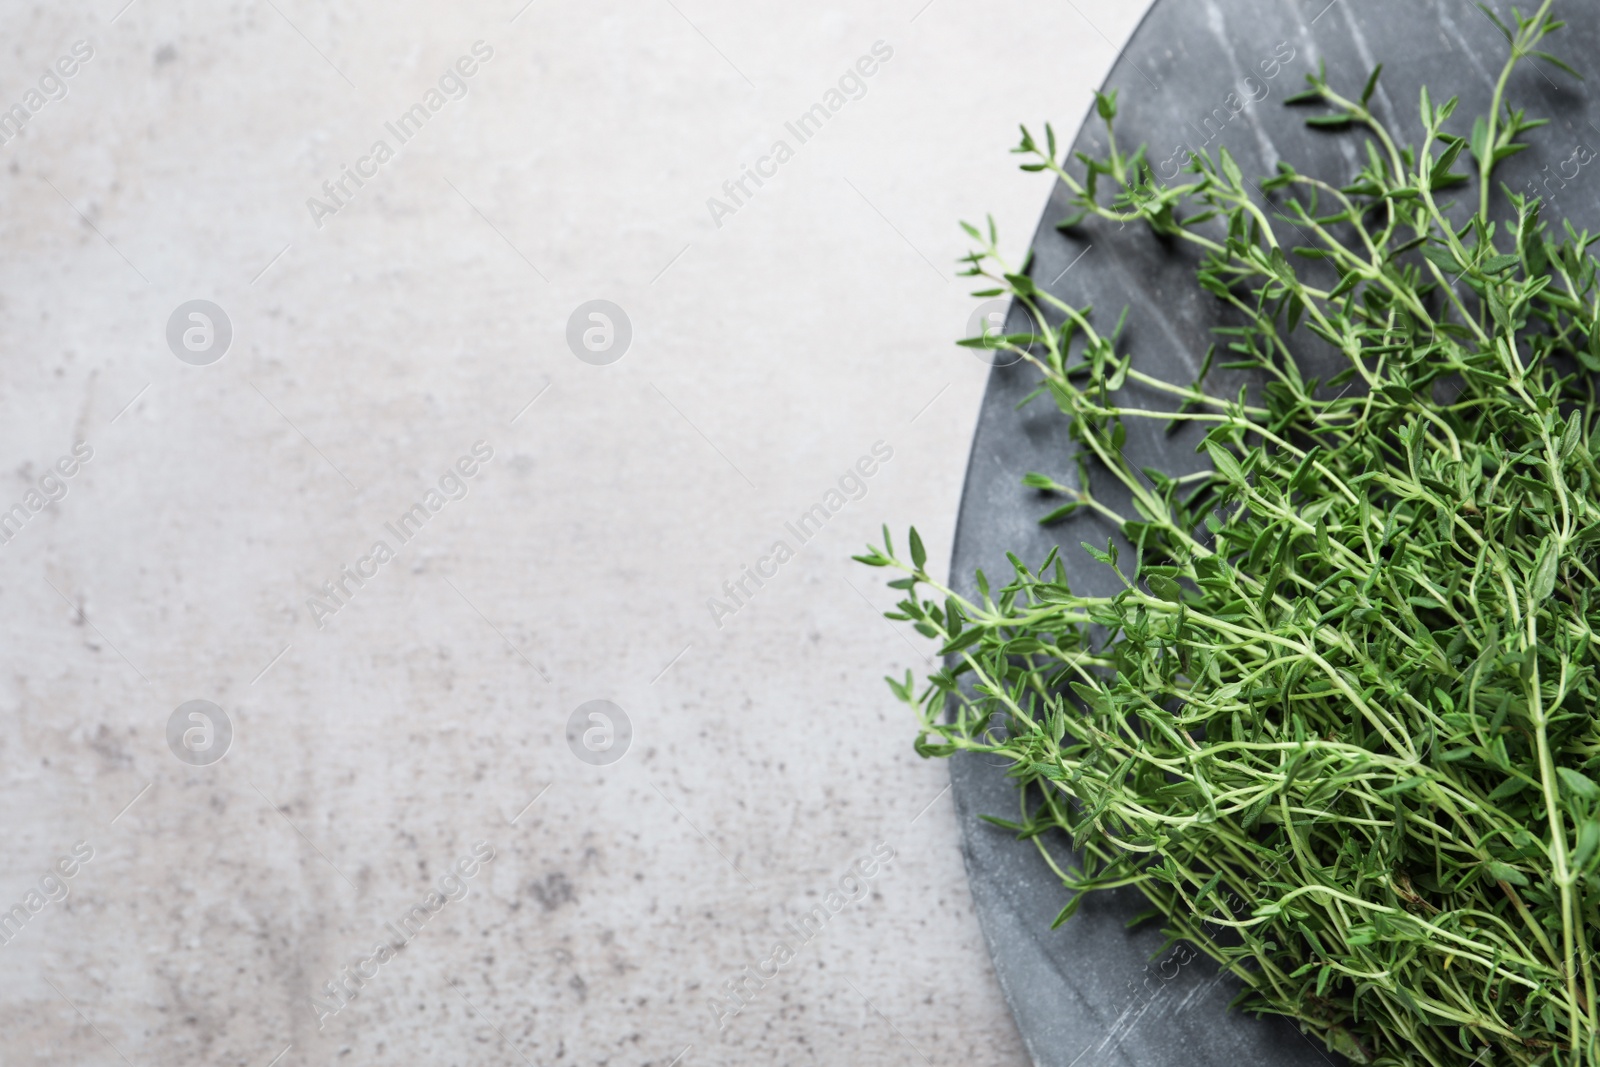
x=1092, y=992
x=430, y=711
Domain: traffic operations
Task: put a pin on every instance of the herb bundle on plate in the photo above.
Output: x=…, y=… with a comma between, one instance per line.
x=1339, y=724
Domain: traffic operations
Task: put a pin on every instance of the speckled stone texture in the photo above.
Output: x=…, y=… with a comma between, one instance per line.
x=369, y=754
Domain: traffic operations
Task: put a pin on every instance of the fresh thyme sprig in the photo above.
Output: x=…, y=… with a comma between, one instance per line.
x=1338, y=725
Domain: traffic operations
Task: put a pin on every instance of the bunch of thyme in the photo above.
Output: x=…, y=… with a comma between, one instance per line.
x=1338, y=725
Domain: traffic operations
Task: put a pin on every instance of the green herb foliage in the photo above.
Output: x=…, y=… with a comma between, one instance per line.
x=1339, y=724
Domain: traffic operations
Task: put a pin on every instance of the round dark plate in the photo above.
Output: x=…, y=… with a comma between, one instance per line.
x=1093, y=993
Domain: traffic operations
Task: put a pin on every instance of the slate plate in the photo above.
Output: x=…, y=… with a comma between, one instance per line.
x=1092, y=993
